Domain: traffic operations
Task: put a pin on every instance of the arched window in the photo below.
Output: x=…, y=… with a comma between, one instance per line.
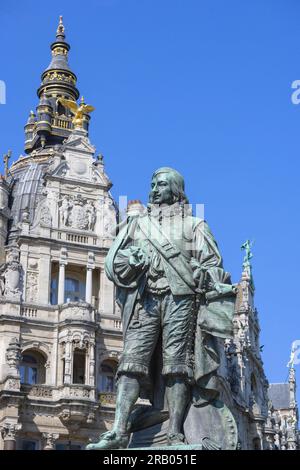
x=32, y=368
x=107, y=381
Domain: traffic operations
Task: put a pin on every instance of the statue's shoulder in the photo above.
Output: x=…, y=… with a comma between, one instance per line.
x=200, y=225
x=196, y=222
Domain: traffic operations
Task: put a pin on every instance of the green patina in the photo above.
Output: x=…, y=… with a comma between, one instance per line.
x=176, y=300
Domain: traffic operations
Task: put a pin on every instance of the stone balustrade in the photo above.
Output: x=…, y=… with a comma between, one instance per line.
x=30, y=311
x=111, y=322
x=77, y=391
x=40, y=391
x=52, y=393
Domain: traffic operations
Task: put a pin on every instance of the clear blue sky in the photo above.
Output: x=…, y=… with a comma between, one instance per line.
x=202, y=86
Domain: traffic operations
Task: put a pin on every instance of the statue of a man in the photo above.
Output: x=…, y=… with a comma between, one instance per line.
x=169, y=277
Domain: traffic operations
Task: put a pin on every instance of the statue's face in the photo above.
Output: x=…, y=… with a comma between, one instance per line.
x=161, y=192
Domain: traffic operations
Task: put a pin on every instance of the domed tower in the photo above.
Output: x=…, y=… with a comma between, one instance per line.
x=45, y=132
x=54, y=121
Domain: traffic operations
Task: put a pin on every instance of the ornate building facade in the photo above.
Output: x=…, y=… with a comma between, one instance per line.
x=60, y=328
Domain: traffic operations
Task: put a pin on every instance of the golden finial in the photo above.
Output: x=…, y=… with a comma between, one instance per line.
x=60, y=29
x=78, y=110
x=6, y=158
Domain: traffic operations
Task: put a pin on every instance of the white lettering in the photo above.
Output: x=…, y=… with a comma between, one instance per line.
x=296, y=94
x=2, y=92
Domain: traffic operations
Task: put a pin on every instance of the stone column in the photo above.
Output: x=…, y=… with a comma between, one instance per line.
x=88, y=285
x=48, y=372
x=61, y=284
x=89, y=277
x=9, y=433
x=49, y=440
x=61, y=277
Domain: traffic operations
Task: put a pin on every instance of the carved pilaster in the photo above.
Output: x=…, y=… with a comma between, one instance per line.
x=92, y=364
x=49, y=440
x=11, y=275
x=292, y=387
x=13, y=357
x=68, y=361
x=9, y=433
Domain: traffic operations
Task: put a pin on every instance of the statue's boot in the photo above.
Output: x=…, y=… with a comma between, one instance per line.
x=110, y=440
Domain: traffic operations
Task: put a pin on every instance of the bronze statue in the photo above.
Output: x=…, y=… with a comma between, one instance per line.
x=175, y=299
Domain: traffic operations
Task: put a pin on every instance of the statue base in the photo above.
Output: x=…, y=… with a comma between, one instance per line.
x=183, y=447
x=210, y=427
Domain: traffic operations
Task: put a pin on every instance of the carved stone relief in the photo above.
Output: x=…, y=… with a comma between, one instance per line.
x=13, y=356
x=31, y=286
x=76, y=311
x=11, y=275
x=109, y=216
x=77, y=212
x=45, y=216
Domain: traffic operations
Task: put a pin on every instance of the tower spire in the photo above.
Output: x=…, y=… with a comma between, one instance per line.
x=58, y=78
x=60, y=32
x=53, y=122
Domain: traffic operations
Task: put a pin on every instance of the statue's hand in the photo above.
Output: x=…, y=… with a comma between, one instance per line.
x=138, y=259
x=198, y=273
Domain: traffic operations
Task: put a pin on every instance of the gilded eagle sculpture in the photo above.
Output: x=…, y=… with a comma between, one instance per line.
x=77, y=110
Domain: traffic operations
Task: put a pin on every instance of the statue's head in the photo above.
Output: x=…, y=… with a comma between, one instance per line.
x=167, y=187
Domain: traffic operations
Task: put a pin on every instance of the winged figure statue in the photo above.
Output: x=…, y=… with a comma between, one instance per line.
x=77, y=110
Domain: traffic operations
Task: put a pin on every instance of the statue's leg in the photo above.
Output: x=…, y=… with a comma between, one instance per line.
x=127, y=394
x=141, y=337
x=177, y=334
x=178, y=394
